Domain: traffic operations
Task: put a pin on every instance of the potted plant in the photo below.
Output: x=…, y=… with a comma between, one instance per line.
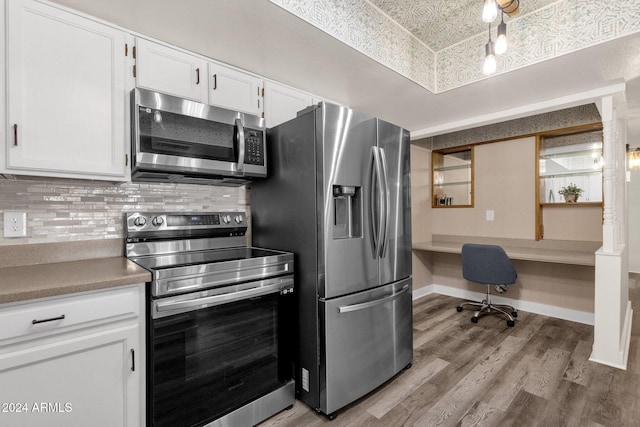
x=570, y=193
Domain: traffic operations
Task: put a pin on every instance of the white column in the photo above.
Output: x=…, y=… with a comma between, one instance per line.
x=613, y=314
x=609, y=240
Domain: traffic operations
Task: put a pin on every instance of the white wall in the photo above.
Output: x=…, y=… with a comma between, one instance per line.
x=504, y=182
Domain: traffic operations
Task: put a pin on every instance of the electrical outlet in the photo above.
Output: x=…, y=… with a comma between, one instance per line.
x=489, y=215
x=15, y=224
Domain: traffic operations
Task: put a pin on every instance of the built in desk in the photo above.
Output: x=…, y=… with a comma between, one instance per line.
x=554, y=251
x=555, y=277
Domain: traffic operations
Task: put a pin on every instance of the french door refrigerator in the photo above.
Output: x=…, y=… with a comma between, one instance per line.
x=338, y=197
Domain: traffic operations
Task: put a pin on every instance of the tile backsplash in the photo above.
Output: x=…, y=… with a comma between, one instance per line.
x=60, y=210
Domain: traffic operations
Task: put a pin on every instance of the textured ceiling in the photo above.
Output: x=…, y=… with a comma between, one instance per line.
x=442, y=23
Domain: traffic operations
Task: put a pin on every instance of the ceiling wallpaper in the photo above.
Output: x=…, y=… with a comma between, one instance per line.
x=442, y=23
x=441, y=47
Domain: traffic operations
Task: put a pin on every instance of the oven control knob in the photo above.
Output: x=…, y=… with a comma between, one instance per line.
x=157, y=221
x=226, y=219
x=238, y=219
x=139, y=221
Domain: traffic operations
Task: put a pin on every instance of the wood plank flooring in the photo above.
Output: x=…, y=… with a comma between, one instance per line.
x=487, y=374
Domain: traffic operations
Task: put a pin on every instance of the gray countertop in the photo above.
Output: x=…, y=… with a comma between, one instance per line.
x=27, y=282
x=30, y=271
x=559, y=252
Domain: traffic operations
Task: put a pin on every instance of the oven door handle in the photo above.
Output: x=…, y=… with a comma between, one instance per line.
x=194, y=304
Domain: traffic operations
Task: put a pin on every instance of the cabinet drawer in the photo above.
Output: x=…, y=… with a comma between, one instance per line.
x=69, y=312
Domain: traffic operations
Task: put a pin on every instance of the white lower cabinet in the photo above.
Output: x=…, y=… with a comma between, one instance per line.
x=65, y=373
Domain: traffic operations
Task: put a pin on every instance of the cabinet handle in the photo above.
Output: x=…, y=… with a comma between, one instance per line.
x=133, y=360
x=15, y=134
x=52, y=319
x=197, y=76
x=215, y=81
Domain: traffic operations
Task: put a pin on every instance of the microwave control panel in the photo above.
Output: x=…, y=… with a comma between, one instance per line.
x=254, y=147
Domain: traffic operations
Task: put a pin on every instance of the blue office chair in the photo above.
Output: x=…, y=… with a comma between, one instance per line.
x=488, y=265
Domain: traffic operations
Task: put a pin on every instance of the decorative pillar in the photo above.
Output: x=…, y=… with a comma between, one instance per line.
x=613, y=313
x=609, y=240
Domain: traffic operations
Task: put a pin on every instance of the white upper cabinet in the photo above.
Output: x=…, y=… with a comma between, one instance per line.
x=179, y=73
x=235, y=90
x=282, y=103
x=170, y=71
x=67, y=94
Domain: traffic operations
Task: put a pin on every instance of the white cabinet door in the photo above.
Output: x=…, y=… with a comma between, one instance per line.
x=67, y=96
x=235, y=90
x=84, y=380
x=170, y=71
x=282, y=103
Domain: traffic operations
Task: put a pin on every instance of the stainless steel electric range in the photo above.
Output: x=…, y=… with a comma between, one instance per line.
x=219, y=320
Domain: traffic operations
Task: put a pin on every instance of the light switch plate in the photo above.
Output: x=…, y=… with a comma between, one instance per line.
x=15, y=223
x=489, y=215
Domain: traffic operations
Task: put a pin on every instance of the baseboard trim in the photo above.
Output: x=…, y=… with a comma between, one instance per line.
x=623, y=355
x=532, y=307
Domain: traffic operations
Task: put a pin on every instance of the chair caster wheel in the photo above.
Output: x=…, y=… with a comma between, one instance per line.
x=511, y=323
x=474, y=319
x=458, y=309
x=514, y=314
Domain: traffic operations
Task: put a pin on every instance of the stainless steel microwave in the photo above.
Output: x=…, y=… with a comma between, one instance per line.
x=178, y=140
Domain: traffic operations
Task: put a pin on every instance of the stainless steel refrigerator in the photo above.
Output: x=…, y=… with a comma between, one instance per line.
x=338, y=197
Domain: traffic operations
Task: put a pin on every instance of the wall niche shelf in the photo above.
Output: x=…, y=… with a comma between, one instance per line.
x=452, y=180
x=568, y=157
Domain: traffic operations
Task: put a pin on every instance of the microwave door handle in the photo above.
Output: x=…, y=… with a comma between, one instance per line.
x=241, y=151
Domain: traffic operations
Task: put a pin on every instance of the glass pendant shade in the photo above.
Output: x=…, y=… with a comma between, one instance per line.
x=634, y=159
x=501, y=41
x=489, y=11
x=490, y=65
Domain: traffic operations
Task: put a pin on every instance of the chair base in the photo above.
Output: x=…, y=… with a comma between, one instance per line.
x=486, y=306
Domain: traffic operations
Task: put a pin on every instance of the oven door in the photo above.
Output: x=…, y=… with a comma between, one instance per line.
x=178, y=135
x=212, y=354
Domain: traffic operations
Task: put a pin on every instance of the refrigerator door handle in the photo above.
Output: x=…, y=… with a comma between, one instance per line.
x=376, y=214
x=384, y=238
x=369, y=304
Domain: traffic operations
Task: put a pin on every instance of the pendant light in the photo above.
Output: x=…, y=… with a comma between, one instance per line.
x=489, y=14
x=489, y=11
x=490, y=65
x=501, y=40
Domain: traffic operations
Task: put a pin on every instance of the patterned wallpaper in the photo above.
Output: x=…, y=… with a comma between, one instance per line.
x=365, y=28
x=60, y=210
x=557, y=28
x=441, y=23
x=575, y=116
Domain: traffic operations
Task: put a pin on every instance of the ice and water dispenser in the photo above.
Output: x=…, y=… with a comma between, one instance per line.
x=347, y=211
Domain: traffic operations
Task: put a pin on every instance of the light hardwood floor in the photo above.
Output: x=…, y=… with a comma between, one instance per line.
x=486, y=374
